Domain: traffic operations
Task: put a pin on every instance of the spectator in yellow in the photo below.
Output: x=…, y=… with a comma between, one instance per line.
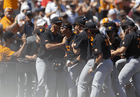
x=10, y=3
x=9, y=24
x=6, y=54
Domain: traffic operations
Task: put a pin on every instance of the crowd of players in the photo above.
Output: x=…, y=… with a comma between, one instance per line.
x=71, y=55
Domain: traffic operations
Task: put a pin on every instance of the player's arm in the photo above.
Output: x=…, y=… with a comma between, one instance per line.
x=19, y=52
x=70, y=63
x=119, y=51
x=51, y=46
x=98, y=60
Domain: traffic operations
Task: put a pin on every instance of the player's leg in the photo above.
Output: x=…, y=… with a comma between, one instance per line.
x=61, y=84
x=50, y=88
x=73, y=77
x=102, y=72
x=118, y=90
x=120, y=64
x=84, y=78
x=40, y=70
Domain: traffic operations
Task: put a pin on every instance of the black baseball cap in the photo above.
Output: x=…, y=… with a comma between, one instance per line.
x=110, y=29
x=127, y=22
x=9, y=34
x=56, y=20
x=111, y=23
x=80, y=20
x=90, y=25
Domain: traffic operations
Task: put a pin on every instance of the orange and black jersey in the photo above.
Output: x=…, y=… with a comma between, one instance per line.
x=81, y=41
x=101, y=45
x=5, y=53
x=70, y=53
x=90, y=49
x=132, y=42
x=49, y=37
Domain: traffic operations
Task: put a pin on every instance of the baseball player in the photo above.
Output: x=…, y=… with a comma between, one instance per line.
x=78, y=46
x=114, y=44
x=51, y=41
x=102, y=65
x=85, y=77
x=74, y=63
x=130, y=46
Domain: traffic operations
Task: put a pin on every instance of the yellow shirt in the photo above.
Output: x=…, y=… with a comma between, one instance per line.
x=10, y=3
x=7, y=22
x=5, y=53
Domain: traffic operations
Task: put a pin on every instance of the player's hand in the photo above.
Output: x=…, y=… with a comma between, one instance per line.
x=90, y=71
x=34, y=57
x=24, y=38
x=64, y=40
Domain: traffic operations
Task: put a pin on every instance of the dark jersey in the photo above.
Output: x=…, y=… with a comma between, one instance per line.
x=70, y=53
x=31, y=49
x=130, y=41
x=49, y=37
x=115, y=45
x=81, y=41
x=101, y=45
x=90, y=49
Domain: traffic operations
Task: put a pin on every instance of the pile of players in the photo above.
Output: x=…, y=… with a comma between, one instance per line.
x=97, y=64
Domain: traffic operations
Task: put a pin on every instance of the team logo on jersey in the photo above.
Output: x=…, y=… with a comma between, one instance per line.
x=109, y=27
x=96, y=50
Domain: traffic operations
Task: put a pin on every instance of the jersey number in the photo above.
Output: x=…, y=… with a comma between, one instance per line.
x=68, y=48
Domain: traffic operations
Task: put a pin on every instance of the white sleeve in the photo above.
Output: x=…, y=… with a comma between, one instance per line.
x=48, y=8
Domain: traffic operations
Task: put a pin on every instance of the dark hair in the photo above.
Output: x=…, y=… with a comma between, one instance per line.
x=95, y=31
x=69, y=25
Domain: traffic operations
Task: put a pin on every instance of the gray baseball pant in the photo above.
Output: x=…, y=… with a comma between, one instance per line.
x=118, y=89
x=120, y=64
x=72, y=77
x=84, y=78
x=131, y=69
x=102, y=77
x=47, y=77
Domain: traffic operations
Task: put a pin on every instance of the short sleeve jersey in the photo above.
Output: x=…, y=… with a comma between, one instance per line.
x=7, y=22
x=130, y=41
x=81, y=41
x=70, y=53
x=5, y=53
x=51, y=7
x=49, y=37
x=101, y=45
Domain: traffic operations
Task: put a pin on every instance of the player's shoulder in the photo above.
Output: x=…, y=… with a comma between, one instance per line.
x=99, y=36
